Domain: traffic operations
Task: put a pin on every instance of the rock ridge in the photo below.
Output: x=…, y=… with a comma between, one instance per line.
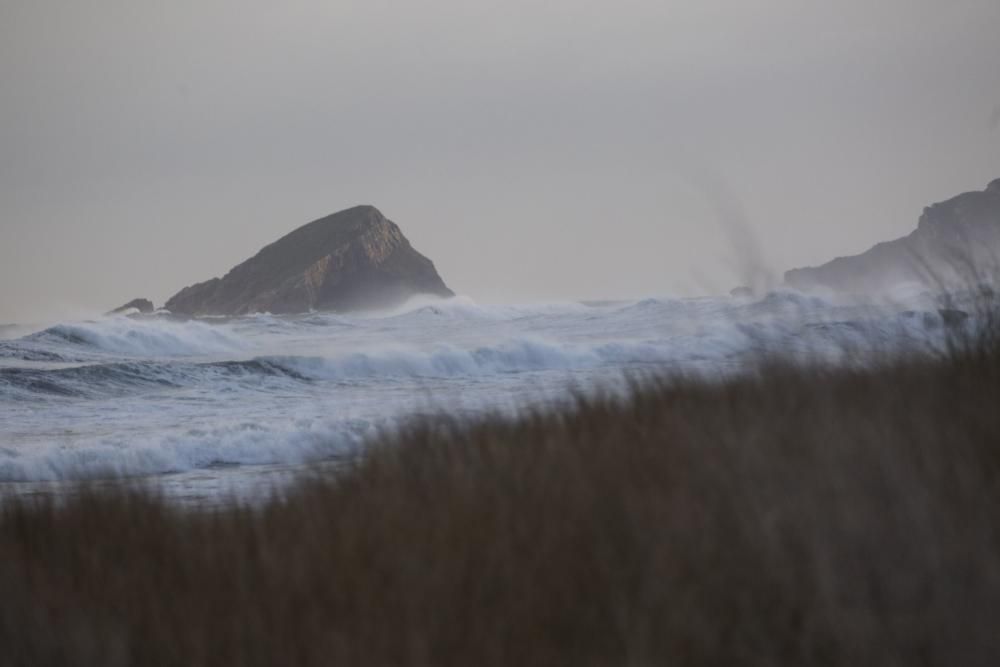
x=355, y=259
x=955, y=240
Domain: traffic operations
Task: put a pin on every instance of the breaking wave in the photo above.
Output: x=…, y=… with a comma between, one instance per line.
x=719, y=342
x=151, y=395
x=444, y=361
x=123, y=336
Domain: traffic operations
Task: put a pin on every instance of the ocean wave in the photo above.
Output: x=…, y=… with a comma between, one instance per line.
x=143, y=351
x=27, y=352
x=452, y=361
x=460, y=308
x=789, y=301
x=651, y=304
x=82, y=381
x=132, y=454
x=121, y=378
x=134, y=337
x=100, y=380
x=152, y=396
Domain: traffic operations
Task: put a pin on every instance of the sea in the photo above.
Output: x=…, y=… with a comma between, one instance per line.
x=213, y=410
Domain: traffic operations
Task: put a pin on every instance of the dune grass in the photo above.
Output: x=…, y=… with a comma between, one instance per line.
x=797, y=515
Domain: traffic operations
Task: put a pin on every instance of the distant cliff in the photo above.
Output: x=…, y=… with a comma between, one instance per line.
x=958, y=239
x=352, y=260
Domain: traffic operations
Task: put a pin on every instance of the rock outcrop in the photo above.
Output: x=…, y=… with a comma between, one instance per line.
x=955, y=241
x=352, y=260
x=144, y=306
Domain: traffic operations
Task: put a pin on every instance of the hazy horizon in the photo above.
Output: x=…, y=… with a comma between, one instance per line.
x=577, y=150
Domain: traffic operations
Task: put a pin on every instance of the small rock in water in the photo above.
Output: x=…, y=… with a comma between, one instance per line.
x=144, y=306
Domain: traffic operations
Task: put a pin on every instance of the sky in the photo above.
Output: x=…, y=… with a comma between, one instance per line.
x=536, y=151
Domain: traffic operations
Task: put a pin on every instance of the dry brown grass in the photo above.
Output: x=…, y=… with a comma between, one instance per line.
x=795, y=516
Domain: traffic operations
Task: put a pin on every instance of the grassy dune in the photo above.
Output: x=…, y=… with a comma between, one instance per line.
x=795, y=516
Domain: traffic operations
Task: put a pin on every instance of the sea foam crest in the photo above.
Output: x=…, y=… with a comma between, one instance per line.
x=449, y=360
x=135, y=337
x=462, y=308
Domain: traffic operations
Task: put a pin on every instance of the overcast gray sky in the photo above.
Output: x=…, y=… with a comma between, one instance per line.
x=534, y=150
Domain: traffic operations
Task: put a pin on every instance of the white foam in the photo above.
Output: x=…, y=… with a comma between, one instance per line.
x=513, y=356
x=145, y=337
x=458, y=308
x=130, y=454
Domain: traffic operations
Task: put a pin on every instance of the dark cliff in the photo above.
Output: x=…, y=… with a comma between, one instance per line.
x=356, y=259
x=958, y=239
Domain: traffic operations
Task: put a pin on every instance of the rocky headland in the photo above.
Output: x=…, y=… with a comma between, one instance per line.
x=956, y=241
x=356, y=259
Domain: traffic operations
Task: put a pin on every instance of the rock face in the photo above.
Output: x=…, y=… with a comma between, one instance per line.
x=955, y=241
x=352, y=260
x=142, y=305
